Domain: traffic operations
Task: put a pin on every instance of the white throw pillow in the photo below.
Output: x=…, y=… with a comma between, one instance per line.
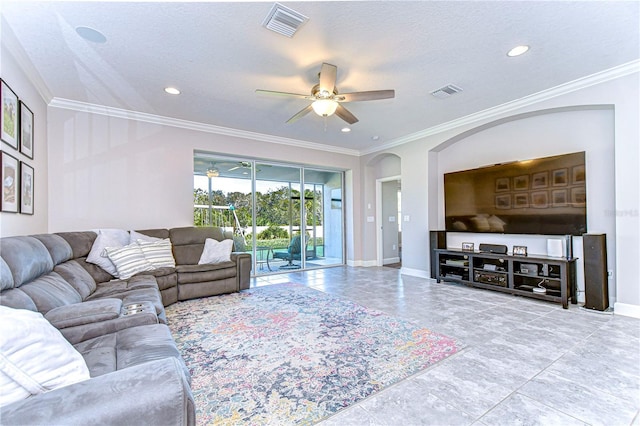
x=106, y=238
x=216, y=251
x=158, y=253
x=129, y=260
x=34, y=356
x=137, y=236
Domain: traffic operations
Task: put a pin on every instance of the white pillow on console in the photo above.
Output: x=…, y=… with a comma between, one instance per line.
x=34, y=356
x=107, y=238
x=158, y=253
x=129, y=260
x=216, y=251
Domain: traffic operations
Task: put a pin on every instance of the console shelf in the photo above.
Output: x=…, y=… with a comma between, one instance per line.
x=522, y=275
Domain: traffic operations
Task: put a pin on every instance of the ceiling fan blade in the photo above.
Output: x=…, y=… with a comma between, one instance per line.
x=300, y=114
x=282, y=94
x=328, y=74
x=233, y=168
x=366, y=96
x=343, y=113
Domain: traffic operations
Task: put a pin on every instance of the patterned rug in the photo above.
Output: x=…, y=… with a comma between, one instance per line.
x=286, y=354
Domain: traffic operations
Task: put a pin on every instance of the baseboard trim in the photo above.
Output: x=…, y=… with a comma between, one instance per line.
x=363, y=263
x=390, y=260
x=420, y=273
x=626, y=310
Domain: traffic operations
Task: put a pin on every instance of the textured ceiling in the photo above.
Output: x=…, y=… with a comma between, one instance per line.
x=218, y=53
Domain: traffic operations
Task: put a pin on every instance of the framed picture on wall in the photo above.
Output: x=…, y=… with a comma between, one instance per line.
x=26, y=130
x=9, y=116
x=520, y=201
x=502, y=184
x=503, y=202
x=577, y=175
x=539, y=200
x=579, y=197
x=540, y=180
x=559, y=198
x=10, y=183
x=560, y=177
x=26, y=188
x=521, y=183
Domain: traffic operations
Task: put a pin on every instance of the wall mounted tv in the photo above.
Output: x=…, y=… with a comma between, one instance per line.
x=544, y=196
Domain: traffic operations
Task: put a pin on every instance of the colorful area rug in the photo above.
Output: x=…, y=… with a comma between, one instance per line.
x=286, y=354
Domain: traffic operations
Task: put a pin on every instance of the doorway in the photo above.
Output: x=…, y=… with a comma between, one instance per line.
x=389, y=218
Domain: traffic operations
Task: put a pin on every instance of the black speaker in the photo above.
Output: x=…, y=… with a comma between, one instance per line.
x=437, y=240
x=493, y=248
x=596, y=286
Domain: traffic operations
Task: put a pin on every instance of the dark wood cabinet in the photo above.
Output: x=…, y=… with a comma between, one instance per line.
x=539, y=277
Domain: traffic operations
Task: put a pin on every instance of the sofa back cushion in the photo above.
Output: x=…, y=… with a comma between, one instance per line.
x=59, y=249
x=188, y=242
x=26, y=257
x=80, y=242
x=6, y=279
x=51, y=291
x=78, y=277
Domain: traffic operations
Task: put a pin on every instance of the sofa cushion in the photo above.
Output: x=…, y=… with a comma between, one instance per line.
x=216, y=251
x=59, y=249
x=77, y=277
x=6, y=279
x=188, y=242
x=158, y=253
x=34, y=356
x=26, y=257
x=205, y=273
x=128, y=260
x=50, y=291
x=98, y=254
x=18, y=299
x=80, y=242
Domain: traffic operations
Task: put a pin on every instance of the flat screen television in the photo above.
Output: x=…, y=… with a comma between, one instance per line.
x=545, y=196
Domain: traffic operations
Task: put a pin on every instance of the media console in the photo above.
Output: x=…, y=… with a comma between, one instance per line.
x=540, y=277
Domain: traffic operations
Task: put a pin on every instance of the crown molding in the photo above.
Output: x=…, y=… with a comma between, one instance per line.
x=192, y=125
x=495, y=112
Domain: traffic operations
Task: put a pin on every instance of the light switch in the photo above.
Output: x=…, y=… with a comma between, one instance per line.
x=392, y=218
x=370, y=219
x=407, y=218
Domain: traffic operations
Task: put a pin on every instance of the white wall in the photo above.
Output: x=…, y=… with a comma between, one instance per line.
x=21, y=224
x=116, y=172
x=422, y=199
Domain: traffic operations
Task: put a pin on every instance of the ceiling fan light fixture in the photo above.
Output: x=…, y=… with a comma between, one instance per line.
x=324, y=107
x=213, y=172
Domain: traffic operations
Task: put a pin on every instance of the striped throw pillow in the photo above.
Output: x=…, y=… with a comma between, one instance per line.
x=129, y=260
x=158, y=253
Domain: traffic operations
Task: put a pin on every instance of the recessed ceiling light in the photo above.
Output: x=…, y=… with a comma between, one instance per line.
x=172, y=90
x=518, y=50
x=345, y=129
x=91, y=34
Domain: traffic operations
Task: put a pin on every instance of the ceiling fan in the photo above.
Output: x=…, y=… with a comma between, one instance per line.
x=326, y=98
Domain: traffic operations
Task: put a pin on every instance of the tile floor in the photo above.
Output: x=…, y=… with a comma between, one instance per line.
x=525, y=362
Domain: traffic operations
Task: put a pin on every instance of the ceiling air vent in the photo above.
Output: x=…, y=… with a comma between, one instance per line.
x=446, y=91
x=283, y=20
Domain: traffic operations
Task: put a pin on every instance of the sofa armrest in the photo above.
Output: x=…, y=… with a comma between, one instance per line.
x=82, y=321
x=243, y=272
x=84, y=313
x=155, y=392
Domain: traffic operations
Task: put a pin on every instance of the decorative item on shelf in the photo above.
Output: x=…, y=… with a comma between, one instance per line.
x=467, y=246
x=9, y=115
x=539, y=289
x=519, y=250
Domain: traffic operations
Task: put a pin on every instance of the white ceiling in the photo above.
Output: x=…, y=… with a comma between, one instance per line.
x=218, y=53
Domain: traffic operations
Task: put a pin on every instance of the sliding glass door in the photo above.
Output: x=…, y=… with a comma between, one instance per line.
x=289, y=217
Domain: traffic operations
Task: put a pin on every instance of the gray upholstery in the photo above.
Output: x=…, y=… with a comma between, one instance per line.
x=6, y=279
x=59, y=249
x=152, y=393
x=26, y=257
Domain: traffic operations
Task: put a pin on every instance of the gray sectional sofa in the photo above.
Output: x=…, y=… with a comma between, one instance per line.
x=137, y=375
